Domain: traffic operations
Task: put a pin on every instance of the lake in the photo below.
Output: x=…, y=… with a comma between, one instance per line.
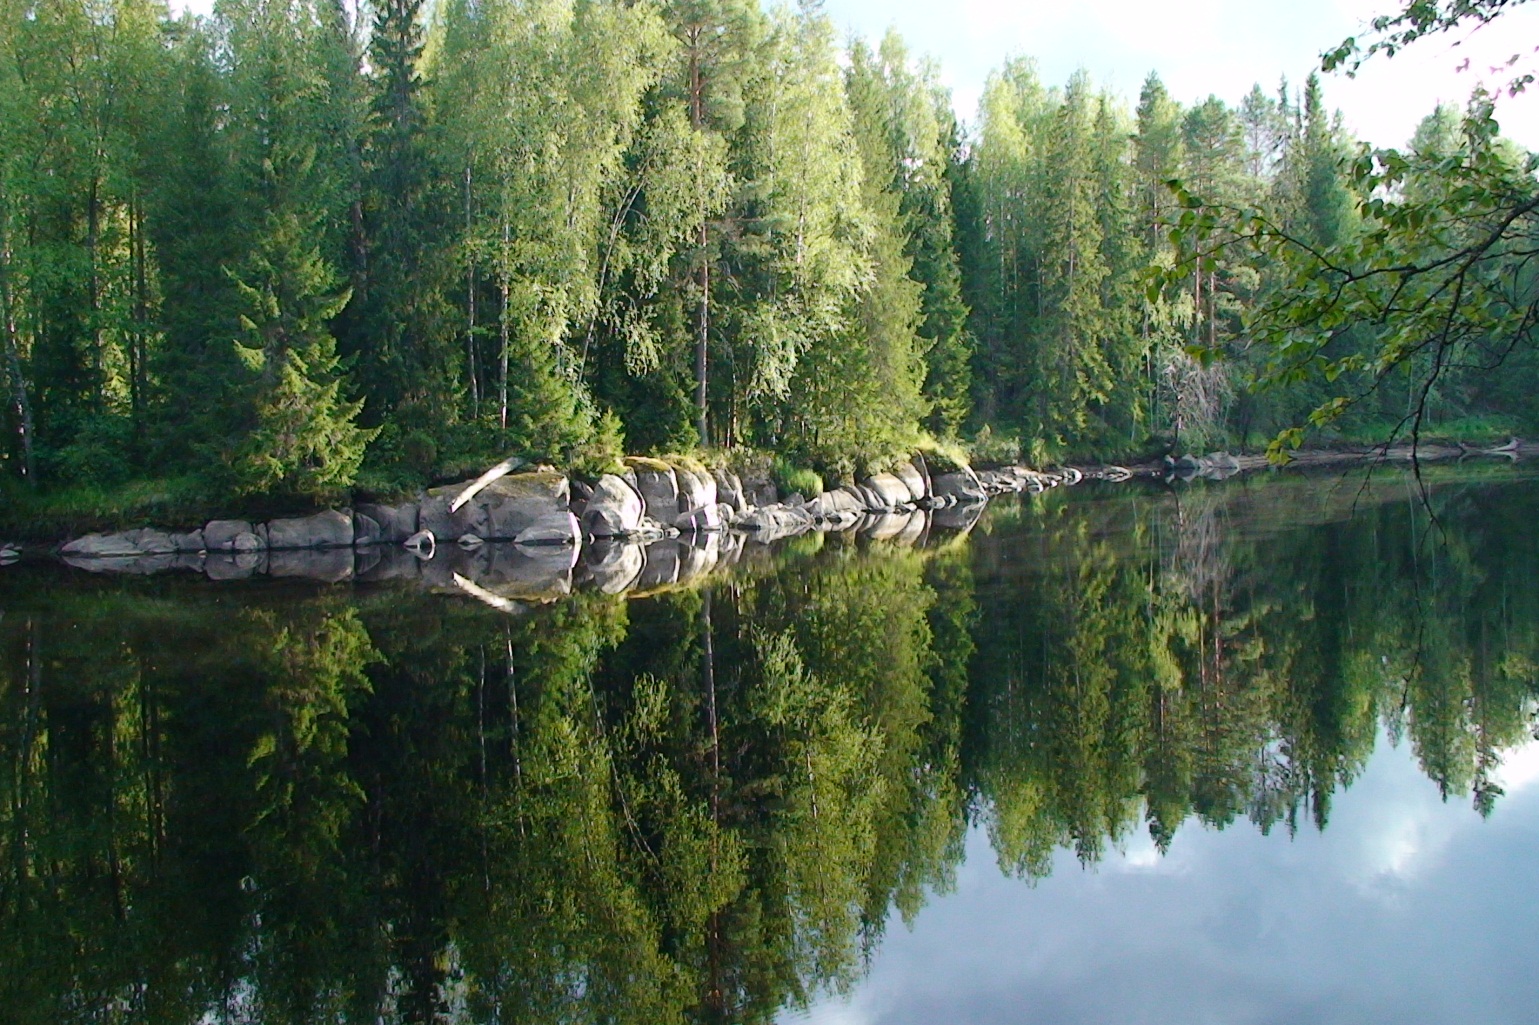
x=1259, y=751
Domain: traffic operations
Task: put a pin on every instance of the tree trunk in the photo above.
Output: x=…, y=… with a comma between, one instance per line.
x=470, y=309
x=93, y=284
x=502, y=328
x=20, y=401
x=703, y=272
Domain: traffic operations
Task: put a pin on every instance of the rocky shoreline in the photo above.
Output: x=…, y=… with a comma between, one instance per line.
x=521, y=533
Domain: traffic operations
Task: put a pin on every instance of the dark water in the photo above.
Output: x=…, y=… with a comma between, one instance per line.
x=1255, y=752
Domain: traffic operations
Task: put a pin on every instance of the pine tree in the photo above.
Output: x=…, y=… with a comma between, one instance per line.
x=399, y=322
x=298, y=431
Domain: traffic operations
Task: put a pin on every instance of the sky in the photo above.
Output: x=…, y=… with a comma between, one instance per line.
x=1406, y=909
x=1199, y=47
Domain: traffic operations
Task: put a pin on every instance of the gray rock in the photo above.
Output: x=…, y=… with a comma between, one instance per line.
x=923, y=469
x=705, y=519
x=127, y=543
x=366, y=530
x=514, y=505
x=422, y=544
x=697, y=488
x=771, y=522
x=192, y=541
x=396, y=522
x=330, y=529
x=729, y=489
x=659, y=487
x=554, y=528
x=962, y=485
x=891, y=492
x=247, y=541
x=838, y=504
x=615, y=510
x=500, y=511
x=220, y=535
x=918, y=487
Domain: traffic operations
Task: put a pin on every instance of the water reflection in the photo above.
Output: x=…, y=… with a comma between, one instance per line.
x=290, y=803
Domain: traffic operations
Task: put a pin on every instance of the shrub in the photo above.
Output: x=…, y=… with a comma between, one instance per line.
x=796, y=480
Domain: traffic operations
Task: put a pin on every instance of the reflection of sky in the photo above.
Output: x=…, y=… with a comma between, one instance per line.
x=1405, y=910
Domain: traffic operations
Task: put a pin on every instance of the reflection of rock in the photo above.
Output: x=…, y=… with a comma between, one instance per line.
x=613, y=566
x=421, y=544
x=900, y=527
x=330, y=529
x=330, y=565
x=536, y=574
x=234, y=565
x=662, y=565
x=393, y=563
x=615, y=510
x=365, y=559
x=139, y=565
x=961, y=516
x=698, y=555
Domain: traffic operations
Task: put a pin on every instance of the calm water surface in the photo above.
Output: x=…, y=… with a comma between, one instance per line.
x=1257, y=752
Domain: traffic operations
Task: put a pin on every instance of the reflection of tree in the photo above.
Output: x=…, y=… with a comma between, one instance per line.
x=705, y=805
x=1189, y=671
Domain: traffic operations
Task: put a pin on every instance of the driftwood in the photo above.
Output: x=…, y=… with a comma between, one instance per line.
x=1511, y=450
x=497, y=472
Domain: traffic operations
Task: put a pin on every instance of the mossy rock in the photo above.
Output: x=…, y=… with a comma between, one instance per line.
x=648, y=463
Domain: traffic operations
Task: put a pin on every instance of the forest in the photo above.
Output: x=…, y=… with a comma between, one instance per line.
x=302, y=247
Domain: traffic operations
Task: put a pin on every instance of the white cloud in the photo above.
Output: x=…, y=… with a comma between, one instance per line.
x=1208, y=46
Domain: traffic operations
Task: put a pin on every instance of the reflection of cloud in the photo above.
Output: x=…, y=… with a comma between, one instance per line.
x=834, y=1012
x=1405, y=909
x=1519, y=768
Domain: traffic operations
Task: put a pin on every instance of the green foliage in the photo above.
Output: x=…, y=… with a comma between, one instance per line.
x=496, y=222
x=790, y=479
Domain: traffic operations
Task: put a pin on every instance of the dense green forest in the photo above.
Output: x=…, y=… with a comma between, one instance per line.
x=292, y=248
